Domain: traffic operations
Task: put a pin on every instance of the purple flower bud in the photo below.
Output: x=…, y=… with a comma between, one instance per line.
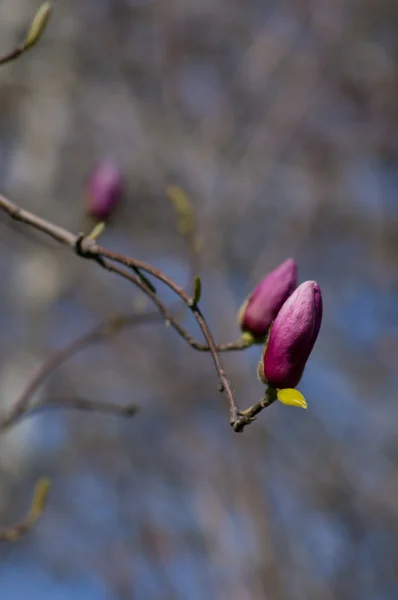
x=262, y=306
x=104, y=191
x=292, y=337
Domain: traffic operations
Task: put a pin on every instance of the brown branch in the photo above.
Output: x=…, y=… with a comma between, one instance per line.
x=65, y=237
x=98, y=333
x=245, y=417
x=90, y=405
x=99, y=251
x=240, y=344
x=59, y=234
x=89, y=249
x=13, y=55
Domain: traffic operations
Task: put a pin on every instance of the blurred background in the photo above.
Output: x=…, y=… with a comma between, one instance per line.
x=280, y=119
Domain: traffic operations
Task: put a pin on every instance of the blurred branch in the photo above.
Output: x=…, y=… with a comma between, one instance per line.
x=34, y=35
x=98, y=333
x=99, y=253
x=11, y=533
x=90, y=405
x=87, y=248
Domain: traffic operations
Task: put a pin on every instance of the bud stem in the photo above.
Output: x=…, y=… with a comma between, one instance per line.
x=249, y=415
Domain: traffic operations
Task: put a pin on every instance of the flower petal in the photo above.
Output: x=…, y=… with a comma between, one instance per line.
x=291, y=397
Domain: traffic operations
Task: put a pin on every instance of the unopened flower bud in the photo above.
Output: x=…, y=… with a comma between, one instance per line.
x=104, y=191
x=262, y=306
x=38, y=25
x=292, y=337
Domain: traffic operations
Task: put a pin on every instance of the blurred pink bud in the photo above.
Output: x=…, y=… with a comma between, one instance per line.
x=262, y=306
x=292, y=337
x=104, y=191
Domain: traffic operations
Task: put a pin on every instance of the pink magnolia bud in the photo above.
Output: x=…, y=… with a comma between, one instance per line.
x=292, y=337
x=262, y=306
x=104, y=191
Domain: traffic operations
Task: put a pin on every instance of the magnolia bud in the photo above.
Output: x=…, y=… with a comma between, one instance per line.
x=292, y=337
x=104, y=191
x=262, y=306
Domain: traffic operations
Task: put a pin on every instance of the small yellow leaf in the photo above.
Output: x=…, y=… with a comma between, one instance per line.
x=291, y=397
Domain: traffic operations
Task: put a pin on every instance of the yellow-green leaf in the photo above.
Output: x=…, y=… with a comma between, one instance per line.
x=38, y=25
x=98, y=230
x=40, y=494
x=197, y=290
x=291, y=397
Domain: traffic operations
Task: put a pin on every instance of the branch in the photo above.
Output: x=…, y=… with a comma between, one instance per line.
x=89, y=249
x=247, y=416
x=90, y=405
x=93, y=250
x=98, y=333
x=240, y=344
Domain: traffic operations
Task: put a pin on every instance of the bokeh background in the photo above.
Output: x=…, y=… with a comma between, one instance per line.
x=280, y=119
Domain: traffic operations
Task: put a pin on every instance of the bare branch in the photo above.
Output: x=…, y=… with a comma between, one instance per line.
x=89, y=249
x=97, y=251
x=89, y=405
x=247, y=416
x=98, y=333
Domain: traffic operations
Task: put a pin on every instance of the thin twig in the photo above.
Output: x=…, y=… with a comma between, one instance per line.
x=103, y=331
x=240, y=344
x=89, y=405
x=100, y=251
x=13, y=55
x=65, y=237
x=59, y=234
x=245, y=417
x=88, y=248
